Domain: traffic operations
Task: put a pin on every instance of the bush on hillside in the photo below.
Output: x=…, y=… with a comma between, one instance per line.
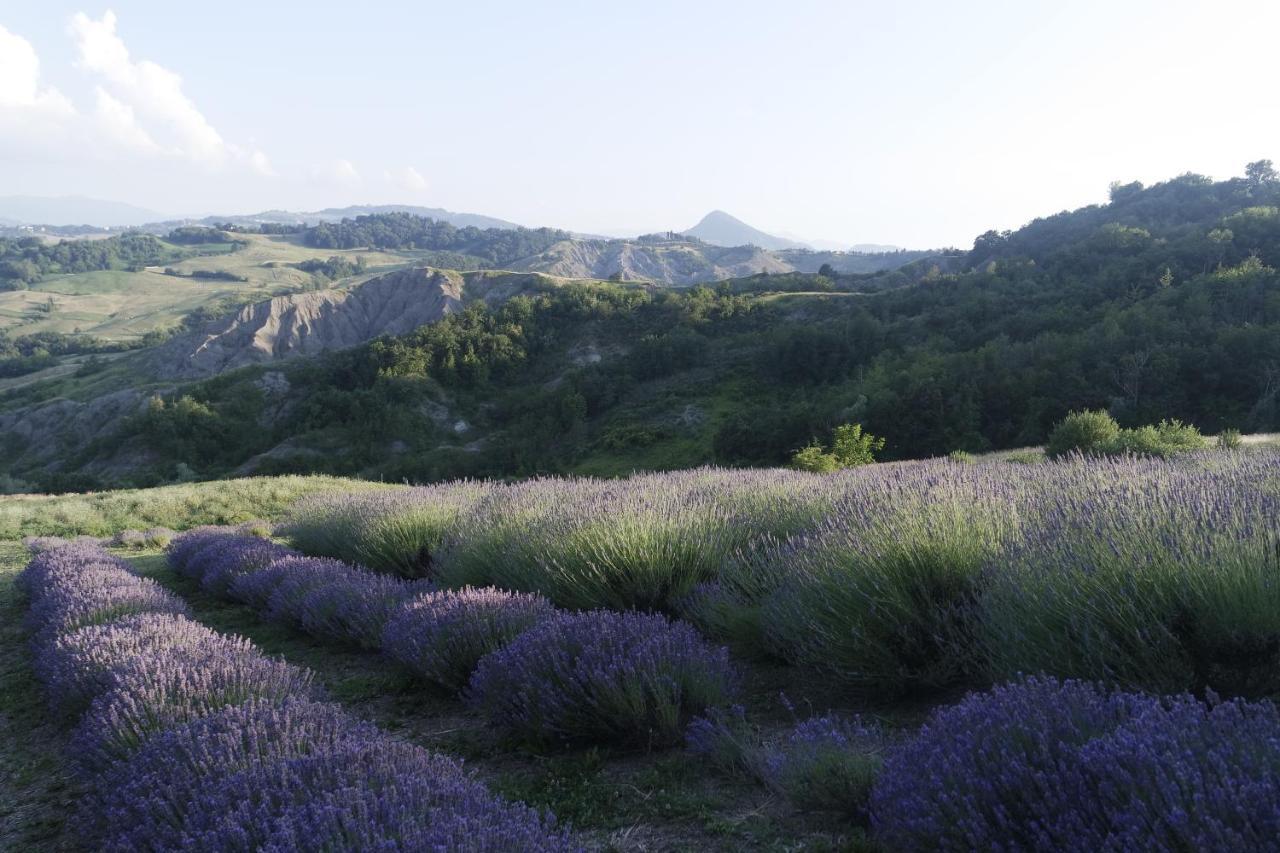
x=850, y=447
x=1087, y=432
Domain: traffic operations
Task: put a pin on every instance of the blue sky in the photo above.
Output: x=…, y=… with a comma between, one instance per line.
x=918, y=124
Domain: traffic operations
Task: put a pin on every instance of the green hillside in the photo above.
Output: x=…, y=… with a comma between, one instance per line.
x=1163, y=303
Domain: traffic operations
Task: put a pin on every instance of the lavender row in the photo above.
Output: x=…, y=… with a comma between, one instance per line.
x=893, y=579
x=1046, y=765
x=539, y=675
x=192, y=740
x=1037, y=764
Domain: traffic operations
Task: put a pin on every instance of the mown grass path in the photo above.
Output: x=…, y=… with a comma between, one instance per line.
x=614, y=799
x=38, y=793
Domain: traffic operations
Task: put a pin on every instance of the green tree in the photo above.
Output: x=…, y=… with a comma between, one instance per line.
x=1261, y=173
x=852, y=447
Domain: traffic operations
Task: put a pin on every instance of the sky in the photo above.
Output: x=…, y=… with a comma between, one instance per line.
x=918, y=124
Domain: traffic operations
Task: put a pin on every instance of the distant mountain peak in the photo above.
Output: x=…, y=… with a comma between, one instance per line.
x=723, y=229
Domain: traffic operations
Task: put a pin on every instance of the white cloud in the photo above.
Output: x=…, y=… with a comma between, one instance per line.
x=142, y=104
x=117, y=120
x=20, y=89
x=340, y=172
x=407, y=178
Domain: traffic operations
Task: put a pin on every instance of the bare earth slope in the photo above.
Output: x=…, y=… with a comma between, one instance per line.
x=307, y=323
x=674, y=262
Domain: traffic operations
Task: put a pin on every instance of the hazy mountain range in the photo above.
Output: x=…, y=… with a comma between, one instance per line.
x=717, y=228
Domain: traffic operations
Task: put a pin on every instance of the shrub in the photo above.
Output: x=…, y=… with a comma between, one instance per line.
x=397, y=531
x=99, y=594
x=79, y=665
x=601, y=676
x=146, y=800
x=219, y=563
x=883, y=594
x=1163, y=439
x=639, y=544
x=193, y=741
x=441, y=636
x=814, y=459
x=962, y=456
x=310, y=786
x=134, y=539
x=1087, y=432
x=256, y=588
x=183, y=547
x=156, y=693
x=850, y=447
x=1230, y=439
x=1048, y=765
x=1143, y=573
x=354, y=606
x=825, y=763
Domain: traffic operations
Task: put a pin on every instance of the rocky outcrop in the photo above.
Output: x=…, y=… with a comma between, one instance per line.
x=308, y=323
x=673, y=262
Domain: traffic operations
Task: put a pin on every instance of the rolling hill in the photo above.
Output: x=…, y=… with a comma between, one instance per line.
x=1163, y=303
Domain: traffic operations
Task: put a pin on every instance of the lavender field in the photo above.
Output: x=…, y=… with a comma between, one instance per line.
x=938, y=655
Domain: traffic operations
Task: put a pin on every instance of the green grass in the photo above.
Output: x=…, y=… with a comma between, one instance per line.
x=123, y=305
x=37, y=791
x=177, y=507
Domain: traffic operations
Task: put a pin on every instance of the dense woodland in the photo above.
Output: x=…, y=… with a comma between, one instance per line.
x=29, y=259
x=407, y=231
x=1163, y=303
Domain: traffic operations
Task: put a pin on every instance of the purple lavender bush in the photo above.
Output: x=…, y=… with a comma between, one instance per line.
x=357, y=794
x=223, y=559
x=293, y=585
x=194, y=741
x=354, y=607
x=188, y=543
x=144, y=801
x=100, y=594
x=1152, y=574
x=412, y=815
x=882, y=595
x=79, y=665
x=441, y=636
x=49, y=566
x=393, y=530
x=1048, y=765
x=1183, y=774
x=156, y=693
x=825, y=763
x=601, y=676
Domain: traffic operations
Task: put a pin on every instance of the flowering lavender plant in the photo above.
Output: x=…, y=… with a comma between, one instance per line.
x=79, y=665
x=393, y=530
x=441, y=636
x=1048, y=765
x=194, y=741
x=354, y=606
x=601, y=676
x=826, y=763
x=155, y=693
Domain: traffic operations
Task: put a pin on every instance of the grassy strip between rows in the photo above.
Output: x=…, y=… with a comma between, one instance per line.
x=615, y=799
x=37, y=790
